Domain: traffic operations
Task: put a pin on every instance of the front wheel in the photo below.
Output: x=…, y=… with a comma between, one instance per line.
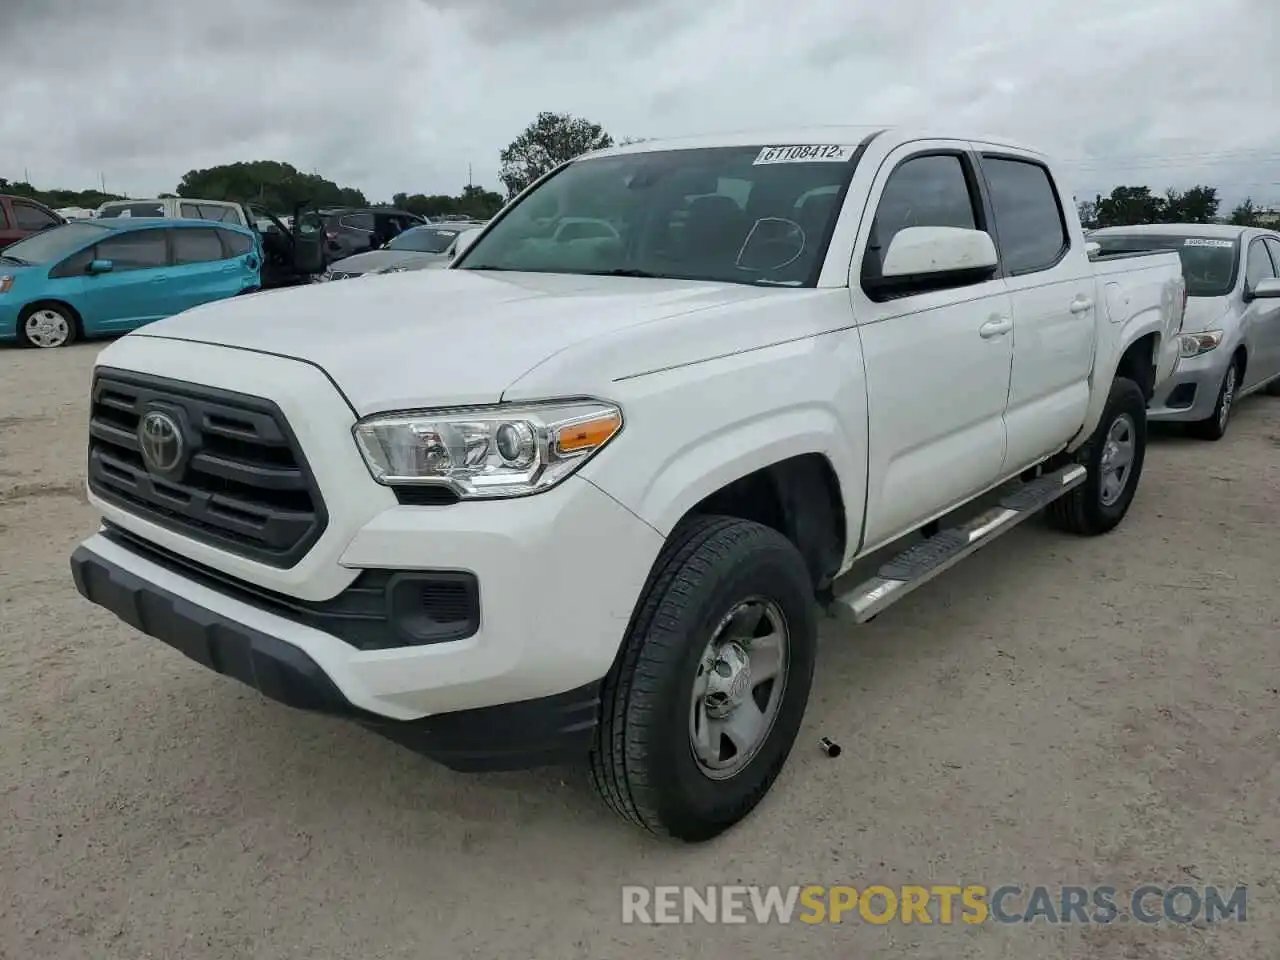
x=703, y=706
x=1214, y=427
x=47, y=326
x=1113, y=457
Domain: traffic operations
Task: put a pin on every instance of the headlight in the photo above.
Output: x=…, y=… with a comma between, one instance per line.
x=487, y=452
x=1194, y=344
x=6, y=283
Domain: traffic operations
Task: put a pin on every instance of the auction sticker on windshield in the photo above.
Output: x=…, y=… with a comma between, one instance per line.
x=806, y=153
x=1197, y=242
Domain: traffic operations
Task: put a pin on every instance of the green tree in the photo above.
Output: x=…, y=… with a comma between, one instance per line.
x=549, y=141
x=1245, y=214
x=1129, y=205
x=1197, y=205
x=88, y=199
x=1088, y=212
x=275, y=185
x=473, y=201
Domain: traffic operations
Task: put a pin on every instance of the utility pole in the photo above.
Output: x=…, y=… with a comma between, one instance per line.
x=468, y=175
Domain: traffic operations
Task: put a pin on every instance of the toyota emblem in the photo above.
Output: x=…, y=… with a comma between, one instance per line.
x=161, y=442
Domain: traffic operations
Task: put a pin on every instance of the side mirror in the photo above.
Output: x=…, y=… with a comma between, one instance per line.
x=100, y=266
x=1268, y=289
x=463, y=240
x=930, y=251
x=1092, y=249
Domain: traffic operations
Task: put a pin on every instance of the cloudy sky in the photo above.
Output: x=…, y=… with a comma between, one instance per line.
x=391, y=95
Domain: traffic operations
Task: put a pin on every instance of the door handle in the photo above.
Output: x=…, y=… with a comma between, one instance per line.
x=1081, y=305
x=995, y=327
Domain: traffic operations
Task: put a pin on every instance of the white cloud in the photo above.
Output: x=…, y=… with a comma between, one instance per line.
x=404, y=94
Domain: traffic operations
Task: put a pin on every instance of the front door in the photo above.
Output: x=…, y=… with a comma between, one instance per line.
x=937, y=363
x=135, y=290
x=1262, y=315
x=1053, y=289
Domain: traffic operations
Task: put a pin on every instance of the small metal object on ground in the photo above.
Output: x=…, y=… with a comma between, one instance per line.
x=829, y=747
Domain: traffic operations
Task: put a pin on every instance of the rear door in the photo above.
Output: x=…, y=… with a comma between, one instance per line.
x=201, y=270
x=135, y=290
x=1052, y=289
x=937, y=363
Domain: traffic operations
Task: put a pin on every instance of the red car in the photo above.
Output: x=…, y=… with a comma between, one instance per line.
x=21, y=216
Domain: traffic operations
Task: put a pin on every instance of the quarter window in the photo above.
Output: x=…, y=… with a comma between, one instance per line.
x=136, y=250
x=1028, y=218
x=1273, y=247
x=196, y=245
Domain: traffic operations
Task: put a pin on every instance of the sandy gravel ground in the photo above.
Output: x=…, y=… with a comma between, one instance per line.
x=1054, y=711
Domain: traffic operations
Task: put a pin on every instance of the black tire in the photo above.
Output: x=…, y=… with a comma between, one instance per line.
x=66, y=319
x=643, y=764
x=1214, y=427
x=1084, y=511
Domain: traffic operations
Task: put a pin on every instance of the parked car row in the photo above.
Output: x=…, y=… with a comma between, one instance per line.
x=1229, y=344
x=417, y=248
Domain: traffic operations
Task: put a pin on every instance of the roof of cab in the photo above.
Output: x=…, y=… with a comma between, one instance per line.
x=844, y=134
x=1227, y=231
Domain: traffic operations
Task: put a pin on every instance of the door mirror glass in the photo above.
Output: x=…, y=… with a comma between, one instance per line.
x=1268, y=289
x=931, y=251
x=100, y=266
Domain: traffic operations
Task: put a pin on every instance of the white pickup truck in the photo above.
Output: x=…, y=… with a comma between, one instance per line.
x=584, y=497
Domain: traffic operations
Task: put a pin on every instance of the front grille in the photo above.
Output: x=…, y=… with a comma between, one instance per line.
x=242, y=484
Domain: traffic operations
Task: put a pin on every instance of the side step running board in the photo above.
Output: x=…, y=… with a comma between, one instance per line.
x=925, y=559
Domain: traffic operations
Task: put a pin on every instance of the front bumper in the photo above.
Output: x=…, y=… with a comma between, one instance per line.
x=1191, y=392
x=511, y=736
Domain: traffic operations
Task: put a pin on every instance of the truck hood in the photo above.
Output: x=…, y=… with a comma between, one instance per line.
x=447, y=337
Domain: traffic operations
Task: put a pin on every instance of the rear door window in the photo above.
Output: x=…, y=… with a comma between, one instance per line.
x=1029, y=224
x=136, y=250
x=196, y=245
x=236, y=244
x=357, y=221
x=28, y=217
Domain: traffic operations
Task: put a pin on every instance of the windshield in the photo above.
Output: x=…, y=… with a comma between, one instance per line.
x=1208, y=263
x=754, y=214
x=424, y=240
x=54, y=244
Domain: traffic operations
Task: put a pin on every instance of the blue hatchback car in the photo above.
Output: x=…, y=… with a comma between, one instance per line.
x=94, y=278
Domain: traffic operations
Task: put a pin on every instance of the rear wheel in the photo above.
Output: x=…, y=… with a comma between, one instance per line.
x=46, y=326
x=704, y=704
x=1114, y=456
x=1214, y=427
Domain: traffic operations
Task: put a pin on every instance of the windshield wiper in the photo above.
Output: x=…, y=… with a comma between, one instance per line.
x=621, y=272
x=18, y=260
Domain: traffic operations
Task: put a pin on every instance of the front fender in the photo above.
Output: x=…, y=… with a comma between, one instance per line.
x=692, y=431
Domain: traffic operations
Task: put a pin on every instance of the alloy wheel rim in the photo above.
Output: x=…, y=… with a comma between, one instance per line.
x=1117, y=458
x=1228, y=395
